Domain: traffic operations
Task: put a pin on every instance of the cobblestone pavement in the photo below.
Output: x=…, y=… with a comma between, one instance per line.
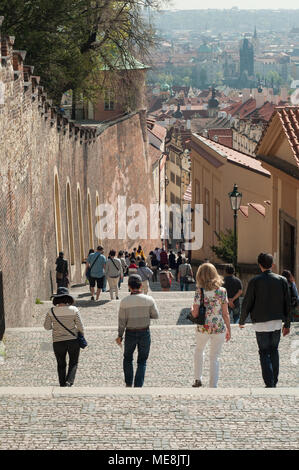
x=152, y=421
x=149, y=422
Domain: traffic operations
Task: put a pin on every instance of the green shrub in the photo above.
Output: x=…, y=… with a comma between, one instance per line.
x=225, y=249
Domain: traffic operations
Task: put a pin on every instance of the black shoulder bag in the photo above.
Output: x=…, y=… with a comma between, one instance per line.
x=201, y=318
x=80, y=338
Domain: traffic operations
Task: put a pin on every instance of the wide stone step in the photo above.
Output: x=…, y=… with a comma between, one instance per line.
x=148, y=419
x=30, y=360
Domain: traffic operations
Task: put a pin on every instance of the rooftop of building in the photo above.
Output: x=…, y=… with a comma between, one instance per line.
x=234, y=156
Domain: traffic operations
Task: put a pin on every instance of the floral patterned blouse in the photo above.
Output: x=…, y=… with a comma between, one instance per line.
x=213, y=300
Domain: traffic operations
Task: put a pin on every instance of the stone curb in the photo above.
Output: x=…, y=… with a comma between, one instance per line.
x=54, y=392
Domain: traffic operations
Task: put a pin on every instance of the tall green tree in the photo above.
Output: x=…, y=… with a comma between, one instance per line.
x=69, y=40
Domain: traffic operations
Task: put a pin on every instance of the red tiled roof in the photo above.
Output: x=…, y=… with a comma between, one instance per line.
x=159, y=131
x=244, y=210
x=258, y=207
x=289, y=116
x=154, y=153
x=234, y=156
x=266, y=111
x=225, y=136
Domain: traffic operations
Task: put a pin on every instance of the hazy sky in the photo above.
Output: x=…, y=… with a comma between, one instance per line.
x=242, y=4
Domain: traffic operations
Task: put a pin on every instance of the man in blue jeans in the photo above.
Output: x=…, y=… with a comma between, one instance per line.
x=268, y=302
x=135, y=313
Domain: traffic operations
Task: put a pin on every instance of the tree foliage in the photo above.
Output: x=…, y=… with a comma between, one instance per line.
x=66, y=40
x=225, y=249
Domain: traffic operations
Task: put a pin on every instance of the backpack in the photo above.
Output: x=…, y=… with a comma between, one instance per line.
x=164, y=280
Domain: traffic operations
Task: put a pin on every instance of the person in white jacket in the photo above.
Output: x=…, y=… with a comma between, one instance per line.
x=114, y=273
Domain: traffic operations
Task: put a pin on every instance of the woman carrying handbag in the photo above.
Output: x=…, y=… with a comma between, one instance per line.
x=67, y=329
x=211, y=303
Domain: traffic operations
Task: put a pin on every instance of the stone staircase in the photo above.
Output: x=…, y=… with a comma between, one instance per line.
x=167, y=412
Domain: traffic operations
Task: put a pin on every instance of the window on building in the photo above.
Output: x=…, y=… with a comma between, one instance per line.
x=109, y=100
x=197, y=192
x=172, y=177
x=178, y=161
x=178, y=180
x=178, y=201
x=172, y=198
x=217, y=216
x=207, y=206
x=172, y=157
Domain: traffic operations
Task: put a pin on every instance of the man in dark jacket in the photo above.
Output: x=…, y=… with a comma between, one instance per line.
x=234, y=289
x=268, y=302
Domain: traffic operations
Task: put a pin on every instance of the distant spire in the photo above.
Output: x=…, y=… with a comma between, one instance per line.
x=255, y=33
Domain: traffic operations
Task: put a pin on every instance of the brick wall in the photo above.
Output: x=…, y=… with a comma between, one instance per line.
x=36, y=144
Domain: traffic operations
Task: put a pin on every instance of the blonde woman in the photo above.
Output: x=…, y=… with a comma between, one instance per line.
x=217, y=322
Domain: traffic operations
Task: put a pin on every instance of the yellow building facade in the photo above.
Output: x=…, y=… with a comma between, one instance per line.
x=278, y=151
x=214, y=171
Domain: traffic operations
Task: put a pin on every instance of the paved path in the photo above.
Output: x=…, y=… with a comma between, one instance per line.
x=167, y=413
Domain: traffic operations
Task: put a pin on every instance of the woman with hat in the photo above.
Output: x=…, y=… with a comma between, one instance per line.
x=64, y=319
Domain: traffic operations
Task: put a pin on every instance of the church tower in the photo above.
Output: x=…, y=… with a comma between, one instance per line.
x=256, y=42
x=246, y=58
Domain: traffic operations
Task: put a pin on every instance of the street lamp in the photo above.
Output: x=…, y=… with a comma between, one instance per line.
x=235, y=201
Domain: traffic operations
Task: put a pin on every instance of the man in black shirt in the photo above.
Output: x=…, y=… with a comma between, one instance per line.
x=234, y=289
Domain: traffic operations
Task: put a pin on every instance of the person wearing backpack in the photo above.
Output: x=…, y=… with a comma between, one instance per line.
x=185, y=274
x=96, y=262
x=114, y=272
x=63, y=336
x=166, y=278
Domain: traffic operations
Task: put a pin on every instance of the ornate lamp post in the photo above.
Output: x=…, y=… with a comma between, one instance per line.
x=235, y=201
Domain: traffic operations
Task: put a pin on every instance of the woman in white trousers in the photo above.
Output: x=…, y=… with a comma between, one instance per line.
x=217, y=323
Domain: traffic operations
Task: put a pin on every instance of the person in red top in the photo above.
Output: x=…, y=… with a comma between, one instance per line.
x=133, y=267
x=163, y=258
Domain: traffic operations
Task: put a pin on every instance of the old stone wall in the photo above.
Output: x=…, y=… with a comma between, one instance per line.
x=53, y=174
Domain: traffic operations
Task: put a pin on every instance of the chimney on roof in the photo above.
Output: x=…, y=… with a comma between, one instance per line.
x=164, y=107
x=245, y=95
x=259, y=98
x=284, y=94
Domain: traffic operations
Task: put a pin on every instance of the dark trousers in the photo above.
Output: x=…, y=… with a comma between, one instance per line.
x=141, y=340
x=269, y=357
x=234, y=313
x=61, y=348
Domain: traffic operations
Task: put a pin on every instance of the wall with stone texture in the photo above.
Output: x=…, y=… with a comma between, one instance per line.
x=36, y=144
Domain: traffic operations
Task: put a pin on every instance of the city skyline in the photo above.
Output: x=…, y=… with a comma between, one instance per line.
x=228, y=4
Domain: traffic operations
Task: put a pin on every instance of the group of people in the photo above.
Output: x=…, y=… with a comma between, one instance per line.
x=268, y=301
x=101, y=270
